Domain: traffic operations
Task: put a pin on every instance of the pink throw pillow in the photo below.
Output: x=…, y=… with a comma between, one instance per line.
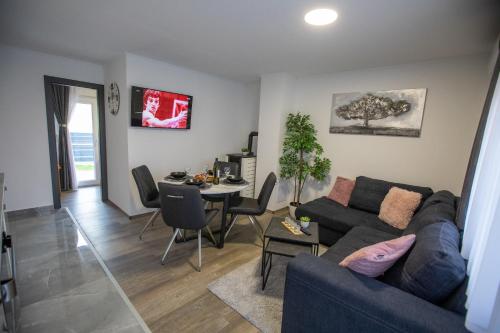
x=375, y=259
x=341, y=191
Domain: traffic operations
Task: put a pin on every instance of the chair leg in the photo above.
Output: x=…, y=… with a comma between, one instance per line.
x=211, y=234
x=169, y=246
x=199, y=250
x=150, y=222
x=231, y=224
x=182, y=235
x=257, y=226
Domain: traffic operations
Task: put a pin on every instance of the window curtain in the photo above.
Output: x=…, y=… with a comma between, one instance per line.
x=73, y=99
x=67, y=172
x=480, y=211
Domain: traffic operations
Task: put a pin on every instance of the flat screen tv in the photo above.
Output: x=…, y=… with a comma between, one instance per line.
x=160, y=109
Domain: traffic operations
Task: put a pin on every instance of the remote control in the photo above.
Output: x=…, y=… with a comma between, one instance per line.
x=304, y=230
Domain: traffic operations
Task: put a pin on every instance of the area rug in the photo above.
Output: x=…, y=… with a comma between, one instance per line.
x=241, y=289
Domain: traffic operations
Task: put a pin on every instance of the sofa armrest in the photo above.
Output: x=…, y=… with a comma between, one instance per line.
x=321, y=296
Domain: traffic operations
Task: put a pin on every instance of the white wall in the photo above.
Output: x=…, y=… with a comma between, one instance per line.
x=24, y=152
x=117, y=136
x=224, y=113
x=455, y=97
x=276, y=101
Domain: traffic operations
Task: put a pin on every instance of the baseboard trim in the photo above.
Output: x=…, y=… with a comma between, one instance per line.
x=111, y=203
x=132, y=217
x=22, y=213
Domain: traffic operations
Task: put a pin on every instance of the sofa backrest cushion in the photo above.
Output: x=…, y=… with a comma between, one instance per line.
x=434, y=268
x=439, y=207
x=369, y=193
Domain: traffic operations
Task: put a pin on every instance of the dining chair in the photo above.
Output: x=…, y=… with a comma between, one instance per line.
x=148, y=192
x=221, y=165
x=252, y=207
x=182, y=208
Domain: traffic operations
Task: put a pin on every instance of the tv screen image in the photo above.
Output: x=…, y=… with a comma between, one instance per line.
x=160, y=109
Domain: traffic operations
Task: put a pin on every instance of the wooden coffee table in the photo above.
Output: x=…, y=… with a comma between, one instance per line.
x=280, y=241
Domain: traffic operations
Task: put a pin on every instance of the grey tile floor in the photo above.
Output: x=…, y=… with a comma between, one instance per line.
x=61, y=283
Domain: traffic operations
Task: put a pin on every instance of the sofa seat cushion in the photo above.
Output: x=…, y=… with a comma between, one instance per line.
x=332, y=215
x=440, y=207
x=372, y=221
x=354, y=240
x=369, y=193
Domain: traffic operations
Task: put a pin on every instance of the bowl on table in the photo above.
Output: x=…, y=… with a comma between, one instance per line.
x=178, y=174
x=234, y=179
x=195, y=182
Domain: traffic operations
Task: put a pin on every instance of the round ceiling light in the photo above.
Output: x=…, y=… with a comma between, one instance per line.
x=322, y=16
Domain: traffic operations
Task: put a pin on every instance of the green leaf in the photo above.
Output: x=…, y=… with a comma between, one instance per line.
x=301, y=155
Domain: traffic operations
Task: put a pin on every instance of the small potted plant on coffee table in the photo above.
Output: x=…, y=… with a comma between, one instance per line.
x=304, y=221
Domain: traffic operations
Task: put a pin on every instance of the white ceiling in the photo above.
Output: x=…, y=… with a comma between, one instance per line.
x=242, y=39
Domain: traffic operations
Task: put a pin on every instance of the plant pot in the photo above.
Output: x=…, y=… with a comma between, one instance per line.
x=304, y=225
x=291, y=209
x=245, y=153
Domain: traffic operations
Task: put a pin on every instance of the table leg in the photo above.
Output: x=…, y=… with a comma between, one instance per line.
x=223, y=220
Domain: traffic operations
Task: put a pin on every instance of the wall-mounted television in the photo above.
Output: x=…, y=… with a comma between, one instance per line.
x=153, y=108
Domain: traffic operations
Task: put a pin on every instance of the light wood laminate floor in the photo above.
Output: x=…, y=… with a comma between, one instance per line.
x=174, y=297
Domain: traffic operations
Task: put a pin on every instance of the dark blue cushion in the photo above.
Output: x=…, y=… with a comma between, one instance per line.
x=354, y=240
x=440, y=207
x=369, y=193
x=332, y=215
x=434, y=268
x=445, y=197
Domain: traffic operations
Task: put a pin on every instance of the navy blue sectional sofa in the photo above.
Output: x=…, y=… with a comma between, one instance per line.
x=423, y=292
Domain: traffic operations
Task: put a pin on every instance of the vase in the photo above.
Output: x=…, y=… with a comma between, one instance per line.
x=292, y=207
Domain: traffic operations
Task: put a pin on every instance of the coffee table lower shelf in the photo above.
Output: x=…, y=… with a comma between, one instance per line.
x=285, y=249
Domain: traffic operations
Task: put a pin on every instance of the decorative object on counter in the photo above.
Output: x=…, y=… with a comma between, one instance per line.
x=390, y=112
x=245, y=151
x=302, y=156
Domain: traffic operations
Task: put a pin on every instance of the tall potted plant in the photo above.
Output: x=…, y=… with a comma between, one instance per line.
x=301, y=156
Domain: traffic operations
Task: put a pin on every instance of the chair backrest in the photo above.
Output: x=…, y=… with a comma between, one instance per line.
x=266, y=191
x=181, y=206
x=145, y=184
x=235, y=168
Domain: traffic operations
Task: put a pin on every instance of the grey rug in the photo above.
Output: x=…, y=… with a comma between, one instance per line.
x=241, y=289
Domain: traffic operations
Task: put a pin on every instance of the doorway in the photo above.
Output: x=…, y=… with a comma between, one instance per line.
x=83, y=129
x=84, y=132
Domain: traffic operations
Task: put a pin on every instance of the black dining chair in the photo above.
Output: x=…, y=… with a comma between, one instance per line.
x=148, y=192
x=221, y=165
x=252, y=207
x=182, y=208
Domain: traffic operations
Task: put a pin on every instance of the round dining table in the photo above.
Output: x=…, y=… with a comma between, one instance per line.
x=223, y=188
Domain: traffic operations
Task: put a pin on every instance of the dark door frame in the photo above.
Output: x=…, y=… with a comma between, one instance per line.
x=48, y=80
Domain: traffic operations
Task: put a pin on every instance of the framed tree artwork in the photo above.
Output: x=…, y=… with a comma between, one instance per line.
x=390, y=112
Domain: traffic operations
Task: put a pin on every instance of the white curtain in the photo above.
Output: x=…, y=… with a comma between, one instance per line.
x=73, y=98
x=481, y=243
